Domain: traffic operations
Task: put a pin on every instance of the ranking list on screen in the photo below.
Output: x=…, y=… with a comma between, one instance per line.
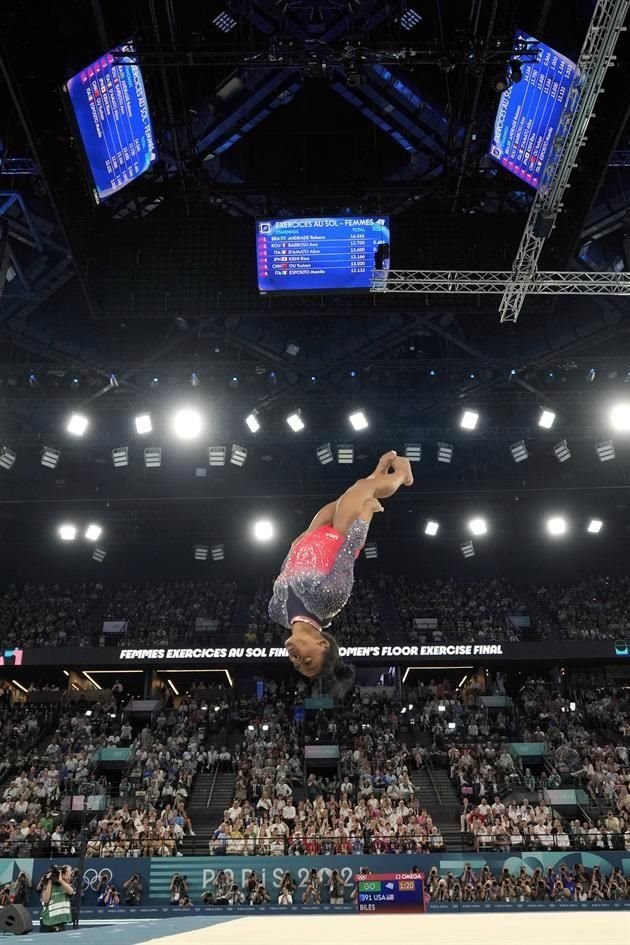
x=316, y=254
x=529, y=113
x=110, y=106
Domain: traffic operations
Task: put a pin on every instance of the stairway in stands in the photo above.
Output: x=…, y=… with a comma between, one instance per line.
x=434, y=791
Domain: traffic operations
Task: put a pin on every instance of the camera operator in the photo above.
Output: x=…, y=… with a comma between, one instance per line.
x=133, y=890
x=335, y=888
x=207, y=899
x=178, y=887
x=21, y=888
x=235, y=896
x=57, y=892
x=5, y=895
x=287, y=888
x=312, y=893
x=260, y=895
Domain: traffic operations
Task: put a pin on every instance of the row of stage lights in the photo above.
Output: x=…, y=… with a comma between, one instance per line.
x=264, y=531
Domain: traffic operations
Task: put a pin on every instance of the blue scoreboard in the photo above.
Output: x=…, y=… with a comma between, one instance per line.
x=109, y=105
x=318, y=254
x=390, y=892
x=529, y=113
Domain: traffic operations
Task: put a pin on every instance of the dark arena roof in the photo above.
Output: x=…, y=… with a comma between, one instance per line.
x=148, y=301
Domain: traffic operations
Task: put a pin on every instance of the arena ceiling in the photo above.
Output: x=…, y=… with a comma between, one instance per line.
x=269, y=118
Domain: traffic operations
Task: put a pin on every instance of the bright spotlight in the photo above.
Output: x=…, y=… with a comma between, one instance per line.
x=77, y=424
x=546, y=419
x=557, y=525
x=143, y=423
x=478, y=526
x=469, y=420
x=620, y=417
x=93, y=532
x=358, y=420
x=595, y=526
x=252, y=422
x=187, y=424
x=263, y=530
x=431, y=528
x=295, y=421
x=67, y=532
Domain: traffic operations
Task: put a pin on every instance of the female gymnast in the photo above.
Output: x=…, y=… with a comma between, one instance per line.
x=317, y=575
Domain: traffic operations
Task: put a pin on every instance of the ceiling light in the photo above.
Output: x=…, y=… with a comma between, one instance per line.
x=410, y=18
x=174, y=688
x=93, y=532
x=371, y=551
x=595, y=526
x=238, y=455
x=519, y=451
x=224, y=22
x=562, y=451
x=444, y=452
x=67, y=532
x=7, y=457
x=217, y=552
x=201, y=552
x=295, y=421
x=345, y=454
x=292, y=349
x=546, y=419
x=252, y=422
x=358, y=420
x=187, y=424
x=120, y=456
x=431, y=528
x=324, y=454
x=605, y=450
x=478, y=526
x=77, y=424
x=153, y=457
x=194, y=380
x=467, y=549
x=263, y=530
x=50, y=457
x=143, y=423
x=620, y=417
x=413, y=452
x=469, y=420
x=98, y=554
x=216, y=455
x=557, y=525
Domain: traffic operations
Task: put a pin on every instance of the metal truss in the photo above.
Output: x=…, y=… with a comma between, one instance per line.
x=17, y=167
x=282, y=54
x=451, y=281
x=595, y=58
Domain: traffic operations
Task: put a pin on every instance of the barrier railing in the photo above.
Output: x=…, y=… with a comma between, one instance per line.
x=550, y=842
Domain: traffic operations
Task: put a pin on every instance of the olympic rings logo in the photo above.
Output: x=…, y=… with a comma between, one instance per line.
x=94, y=879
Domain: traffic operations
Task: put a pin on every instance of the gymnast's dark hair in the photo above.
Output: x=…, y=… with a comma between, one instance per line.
x=339, y=674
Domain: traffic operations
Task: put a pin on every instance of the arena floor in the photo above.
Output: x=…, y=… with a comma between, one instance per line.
x=611, y=928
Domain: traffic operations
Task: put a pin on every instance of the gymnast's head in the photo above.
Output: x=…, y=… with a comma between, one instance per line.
x=315, y=653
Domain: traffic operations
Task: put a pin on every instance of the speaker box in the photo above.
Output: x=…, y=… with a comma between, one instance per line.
x=16, y=920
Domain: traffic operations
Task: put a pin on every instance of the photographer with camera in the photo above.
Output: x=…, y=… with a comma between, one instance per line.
x=57, y=892
x=312, y=893
x=20, y=889
x=335, y=889
x=133, y=890
x=260, y=895
x=235, y=896
x=179, y=888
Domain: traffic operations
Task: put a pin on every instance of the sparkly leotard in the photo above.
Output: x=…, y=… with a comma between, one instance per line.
x=317, y=573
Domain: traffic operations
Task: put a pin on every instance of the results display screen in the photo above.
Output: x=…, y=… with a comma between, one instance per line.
x=390, y=892
x=529, y=113
x=110, y=107
x=316, y=254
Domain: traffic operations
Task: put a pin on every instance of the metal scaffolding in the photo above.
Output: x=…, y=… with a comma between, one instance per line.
x=595, y=58
x=451, y=281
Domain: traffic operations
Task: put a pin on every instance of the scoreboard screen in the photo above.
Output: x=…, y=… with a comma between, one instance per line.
x=109, y=105
x=390, y=892
x=529, y=113
x=318, y=254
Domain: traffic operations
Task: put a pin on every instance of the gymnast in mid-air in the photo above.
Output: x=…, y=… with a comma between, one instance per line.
x=317, y=575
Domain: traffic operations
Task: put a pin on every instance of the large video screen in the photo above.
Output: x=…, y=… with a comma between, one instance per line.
x=109, y=104
x=529, y=113
x=318, y=254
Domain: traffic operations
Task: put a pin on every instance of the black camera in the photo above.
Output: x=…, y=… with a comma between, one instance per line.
x=55, y=875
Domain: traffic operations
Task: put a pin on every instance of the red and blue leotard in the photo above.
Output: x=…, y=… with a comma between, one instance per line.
x=317, y=575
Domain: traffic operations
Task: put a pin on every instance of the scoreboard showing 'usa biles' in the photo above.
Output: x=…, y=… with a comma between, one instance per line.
x=390, y=892
x=319, y=254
